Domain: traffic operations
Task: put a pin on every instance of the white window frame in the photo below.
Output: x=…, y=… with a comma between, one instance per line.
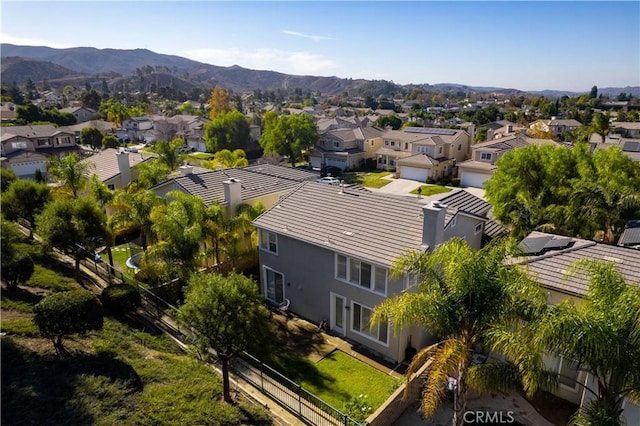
x=266, y=270
x=265, y=244
x=575, y=388
x=19, y=145
x=374, y=270
x=364, y=329
x=439, y=150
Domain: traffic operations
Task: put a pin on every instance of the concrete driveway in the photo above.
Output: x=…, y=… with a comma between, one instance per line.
x=397, y=186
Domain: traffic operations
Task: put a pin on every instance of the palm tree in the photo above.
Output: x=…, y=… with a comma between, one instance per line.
x=228, y=159
x=133, y=211
x=463, y=294
x=70, y=171
x=214, y=229
x=602, y=335
x=600, y=124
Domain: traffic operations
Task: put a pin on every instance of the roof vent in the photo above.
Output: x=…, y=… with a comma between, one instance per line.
x=348, y=233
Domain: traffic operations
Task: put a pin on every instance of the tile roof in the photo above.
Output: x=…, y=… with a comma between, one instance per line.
x=104, y=164
x=464, y=200
x=257, y=181
x=550, y=267
x=418, y=160
x=371, y=226
x=477, y=165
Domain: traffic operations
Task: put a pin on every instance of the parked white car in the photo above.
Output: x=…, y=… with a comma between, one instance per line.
x=328, y=180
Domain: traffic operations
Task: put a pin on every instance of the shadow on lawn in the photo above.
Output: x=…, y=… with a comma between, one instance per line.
x=39, y=389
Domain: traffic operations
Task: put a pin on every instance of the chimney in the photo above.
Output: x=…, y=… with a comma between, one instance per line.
x=232, y=194
x=186, y=170
x=124, y=167
x=433, y=224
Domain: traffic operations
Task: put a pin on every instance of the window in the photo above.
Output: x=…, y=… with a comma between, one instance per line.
x=478, y=228
x=111, y=186
x=393, y=143
x=410, y=281
x=485, y=156
x=19, y=145
x=568, y=373
x=440, y=150
x=459, y=146
x=386, y=143
x=274, y=283
x=336, y=144
x=406, y=146
x=361, y=323
x=362, y=274
x=268, y=241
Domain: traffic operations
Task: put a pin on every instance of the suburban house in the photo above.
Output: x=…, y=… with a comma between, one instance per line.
x=152, y=128
x=556, y=126
x=626, y=129
x=501, y=128
x=328, y=250
x=105, y=127
x=81, y=113
x=421, y=153
x=476, y=171
x=346, y=148
x=263, y=183
x=115, y=168
x=8, y=111
x=24, y=149
x=630, y=147
x=547, y=259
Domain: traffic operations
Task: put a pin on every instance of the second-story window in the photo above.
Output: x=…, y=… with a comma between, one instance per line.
x=485, y=156
x=268, y=241
x=406, y=146
x=361, y=274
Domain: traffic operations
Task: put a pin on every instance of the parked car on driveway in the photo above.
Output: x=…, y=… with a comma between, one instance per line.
x=328, y=180
x=185, y=149
x=330, y=171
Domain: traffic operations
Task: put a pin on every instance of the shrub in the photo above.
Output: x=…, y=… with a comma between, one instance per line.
x=69, y=312
x=358, y=408
x=17, y=270
x=120, y=299
x=455, y=182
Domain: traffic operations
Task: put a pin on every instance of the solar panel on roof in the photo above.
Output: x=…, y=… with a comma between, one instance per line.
x=430, y=131
x=532, y=245
x=631, y=147
x=558, y=242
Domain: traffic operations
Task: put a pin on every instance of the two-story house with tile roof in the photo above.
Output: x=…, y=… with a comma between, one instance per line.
x=556, y=126
x=625, y=129
x=421, y=153
x=328, y=250
x=547, y=258
x=476, y=171
x=346, y=148
x=115, y=168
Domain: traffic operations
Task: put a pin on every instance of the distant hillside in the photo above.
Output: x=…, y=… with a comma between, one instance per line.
x=70, y=66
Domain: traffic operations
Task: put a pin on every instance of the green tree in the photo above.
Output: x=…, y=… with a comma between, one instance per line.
x=288, y=135
x=75, y=226
x=152, y=172
x=132, y=211
x=389, y=120
x=601, y=335
x=110, y=141
x=168, y=152
x=25, y=199
x=7, y=177
x=227, y=314
x=228, y=130
x=600, y=124
x=91, y=99
x=62, y=314
x=463, y=295
x=91, y=136
x=17, y=270
x=227, y=159
x=102, y=194
x=69, y=171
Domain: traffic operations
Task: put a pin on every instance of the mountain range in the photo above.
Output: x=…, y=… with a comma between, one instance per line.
x=81, y=65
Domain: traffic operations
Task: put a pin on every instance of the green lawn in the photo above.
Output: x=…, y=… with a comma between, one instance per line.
x=120, y=255
x=369, y=179
x=349, y=378
x=428, y=190
x=201, y=155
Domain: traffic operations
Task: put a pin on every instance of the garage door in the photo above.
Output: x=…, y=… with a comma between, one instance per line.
x=316, y=162
x=475, y=180
x=414, y=173
x=338, y=163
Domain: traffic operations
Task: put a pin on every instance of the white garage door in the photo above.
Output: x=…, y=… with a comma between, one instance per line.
x=337, y=163
x=316, y=162
x=414, y=173
x=28, y=169
x=474, y=180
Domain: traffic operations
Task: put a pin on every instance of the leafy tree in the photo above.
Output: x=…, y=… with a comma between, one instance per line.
x=91, y=136
x=228, y=130
x=38, y=177
x=288, y=135
x=25, y=199
x=219, y=102
x=227, y=314
x=110, y=141
x=601, y=336
x=593, y=93
x=120, y=299
x=463, y=295
x=17, y=270
x=91, y=99
x=74, y=226
x=7, y=177
x=69, y=171
x=100, y=191
x=600, y=124
x=168, y=152
x=62, y=314
x=389, y=120
x=151, y=173
x=15, y=94
x=133, y=211
x=9, y=235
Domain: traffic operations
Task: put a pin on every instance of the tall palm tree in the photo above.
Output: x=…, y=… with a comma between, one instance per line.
x=463, y=294
x=133, y=211
x=214, y=229
x=600, y=124
x=70, y=171
x=602, y=335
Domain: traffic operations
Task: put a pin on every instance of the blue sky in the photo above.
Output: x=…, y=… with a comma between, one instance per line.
x=562, y=45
